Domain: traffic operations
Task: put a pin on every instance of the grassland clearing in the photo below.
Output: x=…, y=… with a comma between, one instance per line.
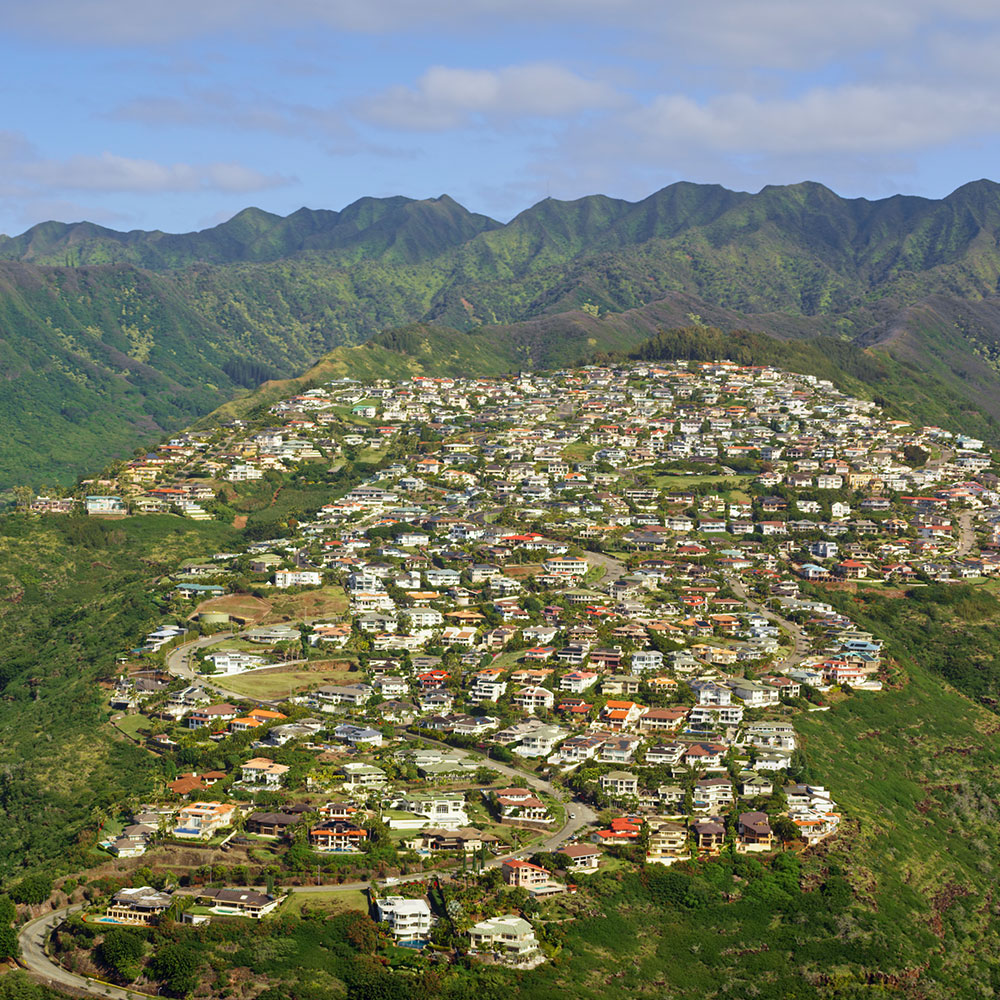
x=326, y=602
x=273, y=683
x=330, y=902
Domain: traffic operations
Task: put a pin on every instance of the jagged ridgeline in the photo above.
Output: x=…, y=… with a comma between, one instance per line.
x=109, y=339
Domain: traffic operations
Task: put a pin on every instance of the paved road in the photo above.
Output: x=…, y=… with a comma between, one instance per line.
x=179, y=663
x=578, y=814
x=943, y=459
x=614, y=569
x=34, y=937
x=966, y=534
x=800, y=648
x=179, y=660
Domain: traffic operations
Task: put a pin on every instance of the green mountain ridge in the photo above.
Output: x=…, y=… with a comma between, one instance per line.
x=109, y=340
x=401, y=228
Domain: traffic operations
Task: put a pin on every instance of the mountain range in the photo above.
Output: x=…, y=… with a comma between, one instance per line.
x=110, y=339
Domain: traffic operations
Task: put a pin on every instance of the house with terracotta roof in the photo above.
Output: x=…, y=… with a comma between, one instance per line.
x=520, y=804
x=619, y=715
x=851, y=569
x=260, y=772
x=201, y=820
x=244, y=724
x=705, y=754
x=660, y=719
x=211, y=715
x=338, y=835
x=622, y=830
x=185, y=784
x=523, y=874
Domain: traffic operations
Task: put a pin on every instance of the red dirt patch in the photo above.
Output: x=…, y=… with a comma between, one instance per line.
x=242, y=606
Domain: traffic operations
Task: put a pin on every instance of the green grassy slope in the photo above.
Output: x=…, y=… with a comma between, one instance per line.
x=916, y=771
x=74, y=594
x=917, y=775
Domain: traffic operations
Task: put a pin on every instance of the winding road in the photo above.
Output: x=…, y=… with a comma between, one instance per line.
x=179, y=663
x=34, y=935
x=34, y=940
x=800, y=647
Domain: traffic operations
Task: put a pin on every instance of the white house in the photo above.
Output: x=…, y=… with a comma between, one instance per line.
x=646, y=659
x=508, y=936
x=409, y=920
x=531, y=699
x=297, y=578
x=263, y=773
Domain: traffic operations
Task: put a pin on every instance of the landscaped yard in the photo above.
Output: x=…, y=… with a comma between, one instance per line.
x=131, y=724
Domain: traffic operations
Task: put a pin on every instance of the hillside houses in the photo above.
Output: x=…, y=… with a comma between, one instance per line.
x=614, y=581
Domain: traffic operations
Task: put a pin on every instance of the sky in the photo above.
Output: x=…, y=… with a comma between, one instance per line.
x=176, y=114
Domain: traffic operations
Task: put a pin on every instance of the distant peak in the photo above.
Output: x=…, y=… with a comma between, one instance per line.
x=983, y=186
x=253, y=212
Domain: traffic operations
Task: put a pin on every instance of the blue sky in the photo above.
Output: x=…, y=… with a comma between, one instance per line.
x=175, y=115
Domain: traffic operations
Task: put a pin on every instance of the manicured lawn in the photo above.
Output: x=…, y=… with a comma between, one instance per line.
x=131, y=724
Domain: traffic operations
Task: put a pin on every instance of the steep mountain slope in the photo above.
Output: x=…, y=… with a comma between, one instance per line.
x=395, y=229
x=660, y=331
x=109, y=339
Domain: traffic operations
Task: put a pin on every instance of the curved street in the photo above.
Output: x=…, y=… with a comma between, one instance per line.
x=34, y=935
x=179, y=664
x=34, y=939
x=800, y=644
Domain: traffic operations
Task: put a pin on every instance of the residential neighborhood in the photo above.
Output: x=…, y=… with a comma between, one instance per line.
x=564, y=619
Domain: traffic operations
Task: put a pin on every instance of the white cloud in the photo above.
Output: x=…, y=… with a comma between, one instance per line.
x=860, y=119
x=125, y=22
x=219, y=109
x=446, y=98
x=33, y=186
x=112, y=173
x=773, y=32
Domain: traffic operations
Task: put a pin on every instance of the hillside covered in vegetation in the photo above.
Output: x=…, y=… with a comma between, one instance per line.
x=108, y=340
